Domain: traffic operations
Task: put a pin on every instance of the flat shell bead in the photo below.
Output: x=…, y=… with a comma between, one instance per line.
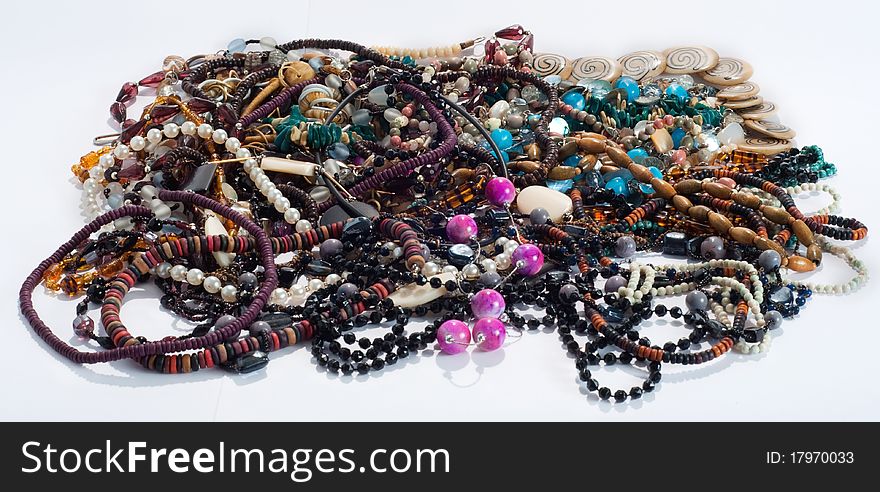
x=555, y=203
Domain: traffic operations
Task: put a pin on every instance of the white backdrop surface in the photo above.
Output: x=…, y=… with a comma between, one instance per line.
x=64, y=63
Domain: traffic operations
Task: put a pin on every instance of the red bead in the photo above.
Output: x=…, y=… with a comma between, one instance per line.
x=152, y=80
x=528, y=42
x=128, y=92
x=491, y=47
x=163, y=112
x=514, y=32
x=200, y=105
x=117, y=111
x=131, y=131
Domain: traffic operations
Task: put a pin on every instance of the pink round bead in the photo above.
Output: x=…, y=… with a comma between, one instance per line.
x=679, y=156
x=531, y=257
x=395, y=141
x=668, y=120
x=461, y=228
x=728, y=182
x=453, y=337
x=658, y=123
x=489, y=334
x=500, y=57
x=487, y=303
x=500, y=191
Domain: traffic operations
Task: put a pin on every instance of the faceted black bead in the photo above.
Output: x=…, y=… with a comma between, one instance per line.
x=349, y=338
x=357, y=356
x=363, y=368
x=635, y=392
x=604, y=393
x=346, y=368
x=378, y=364
x=619, y=396
x=592, y=385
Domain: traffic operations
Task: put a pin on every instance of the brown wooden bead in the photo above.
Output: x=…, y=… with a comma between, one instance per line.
x=533, y=151
x=662, y=188
x=717, y=190
x=525, y=166
x=763, y=243
x=699, y=212
x=776, y=214
x=746, y=199
x=800, y=264
x=641, y=173
x=814, y=253
x=719, y=222
x=588, y=161
x=618, y=156
x=803, y=232
x=742, y=235
x=689, y=186
x=591, y=145
x=568, y=149
x=682, y=204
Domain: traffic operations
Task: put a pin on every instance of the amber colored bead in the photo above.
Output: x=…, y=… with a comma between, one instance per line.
x=592, y=144
x=800, y=264
x=803, y=232
x=52, y=276
x=111, y=268
x=69, y=286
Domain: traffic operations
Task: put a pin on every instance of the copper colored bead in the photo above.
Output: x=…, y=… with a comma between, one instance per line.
x=800, y=264
x=814, y=253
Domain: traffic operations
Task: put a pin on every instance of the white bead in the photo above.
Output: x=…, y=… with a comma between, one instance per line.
x=488, y=264
x=229, y=293
x=154, y=135
x=332, y=279
x=212, y=284
x=163, y=270
x=219, y=136
x=171, y=130
x=107, y=161
x=195, y=276
x=205, y=130
x=188, y=128
x=148, y=192
x=248, y=164
x=471, y=271
x=303, y=225
x=162, y=212
x=298, y=291
x=178, y=273
x=122, y=152
x=316, y=284
x=274, y=195
x=279, y=296
x=137, y=143
x=282, y=205
x=291, y=216
x=242, y=153
x=430, y=269
x=96, y=172
x=91, y=186
x=510, y=246
x=450, y=269
x=501, y=241
x=397, y=252
x=502, y=261
x=233, y=144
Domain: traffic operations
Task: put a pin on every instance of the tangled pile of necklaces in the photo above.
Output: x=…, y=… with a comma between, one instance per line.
x=303, y=192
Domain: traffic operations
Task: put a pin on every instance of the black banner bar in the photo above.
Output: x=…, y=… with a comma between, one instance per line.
x=432, y=456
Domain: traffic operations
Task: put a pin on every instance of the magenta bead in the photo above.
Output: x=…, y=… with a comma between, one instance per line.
x=489, y=334
x=487, y=303
x=461, y=228
x=453, y=336
x=500, y=191
x=531, y=257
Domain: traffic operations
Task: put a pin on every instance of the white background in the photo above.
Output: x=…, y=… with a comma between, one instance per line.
x=64, y=63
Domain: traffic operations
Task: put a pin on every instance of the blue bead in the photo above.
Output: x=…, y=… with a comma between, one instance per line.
x=656, y=172
x=678, y=91
x=638, y=155
x=339, y=151
x=646, y=188
x=502, y=138
x=316, y=63
x=629, y=85
x=677, y=135
x=572, y=160
x=560, y=185
x=618, y=186
x=575, y=100
x=237, y=45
